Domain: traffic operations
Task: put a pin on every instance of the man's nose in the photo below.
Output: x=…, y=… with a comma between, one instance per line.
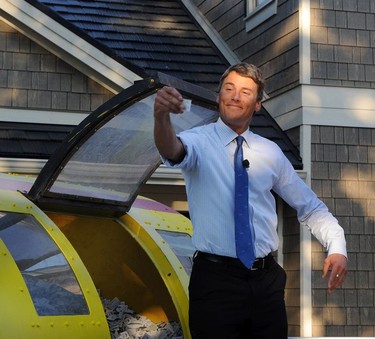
x=236, y=96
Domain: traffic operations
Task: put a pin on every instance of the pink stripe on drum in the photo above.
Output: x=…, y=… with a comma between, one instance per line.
x=152, y=205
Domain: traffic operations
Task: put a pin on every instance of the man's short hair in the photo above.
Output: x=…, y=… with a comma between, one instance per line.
x=249, y=71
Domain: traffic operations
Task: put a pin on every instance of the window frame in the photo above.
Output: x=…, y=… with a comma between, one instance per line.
x=257, y=14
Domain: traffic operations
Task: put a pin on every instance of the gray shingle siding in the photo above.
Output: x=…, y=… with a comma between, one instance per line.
x=279, y=33
x=31, y=77
x=343, y=175
x=347, y=29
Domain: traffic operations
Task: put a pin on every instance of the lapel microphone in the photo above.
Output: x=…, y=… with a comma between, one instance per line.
x=245, y=163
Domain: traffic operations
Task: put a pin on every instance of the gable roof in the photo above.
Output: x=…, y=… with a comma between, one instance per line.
x=148, y=37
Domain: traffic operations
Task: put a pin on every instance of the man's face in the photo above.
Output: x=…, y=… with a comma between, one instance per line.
x=237, y=101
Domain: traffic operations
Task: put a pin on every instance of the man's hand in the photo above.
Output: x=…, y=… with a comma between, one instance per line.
x=168, y=100
x=338, y=265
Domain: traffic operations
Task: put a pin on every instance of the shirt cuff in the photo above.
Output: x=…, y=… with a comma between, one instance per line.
x=338, y=247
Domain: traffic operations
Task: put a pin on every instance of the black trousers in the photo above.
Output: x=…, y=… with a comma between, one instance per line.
x=228, y=302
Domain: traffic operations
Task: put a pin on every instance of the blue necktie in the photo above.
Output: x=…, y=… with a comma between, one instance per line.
x=243, y=229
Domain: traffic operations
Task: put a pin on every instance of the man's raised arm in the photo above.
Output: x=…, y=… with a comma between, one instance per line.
x=168, y=100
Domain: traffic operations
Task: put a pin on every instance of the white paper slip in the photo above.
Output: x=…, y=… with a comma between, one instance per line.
x=187, y=104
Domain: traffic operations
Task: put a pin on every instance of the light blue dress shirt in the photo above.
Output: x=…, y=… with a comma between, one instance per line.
x=209, y=175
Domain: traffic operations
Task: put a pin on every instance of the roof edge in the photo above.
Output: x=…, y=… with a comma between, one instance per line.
x=211, y=32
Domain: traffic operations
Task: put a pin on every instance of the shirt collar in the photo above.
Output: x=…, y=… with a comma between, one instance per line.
x=227, y=135
x=247, y=135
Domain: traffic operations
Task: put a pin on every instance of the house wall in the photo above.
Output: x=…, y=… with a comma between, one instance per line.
x=343, y=172
x=273, y=46
x=33, y=78
x=343, y=55
x=342, y=43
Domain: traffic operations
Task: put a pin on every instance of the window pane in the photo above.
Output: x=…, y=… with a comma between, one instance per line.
x=182, y=247
x=113, y=162
x=51, y=282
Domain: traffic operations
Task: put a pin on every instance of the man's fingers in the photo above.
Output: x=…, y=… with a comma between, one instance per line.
x=168, y=99
x=326, y=267
x=335, y=280
x=338, y=265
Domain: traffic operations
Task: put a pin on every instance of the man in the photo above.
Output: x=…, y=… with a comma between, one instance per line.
x=231, y=297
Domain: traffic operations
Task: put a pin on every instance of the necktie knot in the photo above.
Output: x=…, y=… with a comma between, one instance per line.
x=239, y=140
x=238, y=155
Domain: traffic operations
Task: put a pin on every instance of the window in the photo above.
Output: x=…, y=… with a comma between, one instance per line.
x=259, y=11
x=259, y=2
x=181, y=246
x=50, y=280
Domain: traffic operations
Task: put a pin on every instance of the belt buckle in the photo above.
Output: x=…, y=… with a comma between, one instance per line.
x=258, y=268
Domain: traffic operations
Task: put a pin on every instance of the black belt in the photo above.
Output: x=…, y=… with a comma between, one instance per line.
x=259, y=263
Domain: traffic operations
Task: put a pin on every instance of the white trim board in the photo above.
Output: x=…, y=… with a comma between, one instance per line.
x=324, y=106
x=304, y=41
x=305, y=240
x=41, y=117
x=212, y=33
x=65, y=44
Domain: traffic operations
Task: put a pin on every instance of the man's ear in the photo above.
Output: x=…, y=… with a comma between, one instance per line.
x=258, y=106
